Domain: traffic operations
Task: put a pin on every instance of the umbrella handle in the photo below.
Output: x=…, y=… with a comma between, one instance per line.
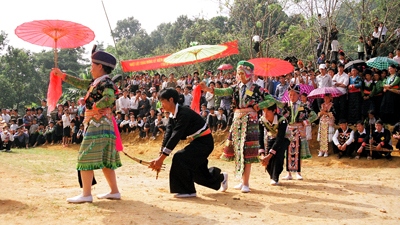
x=55, y=53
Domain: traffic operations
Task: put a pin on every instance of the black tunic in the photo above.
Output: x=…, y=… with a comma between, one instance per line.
x=190, y=165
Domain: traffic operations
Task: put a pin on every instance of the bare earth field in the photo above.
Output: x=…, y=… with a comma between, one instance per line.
x=36, y=182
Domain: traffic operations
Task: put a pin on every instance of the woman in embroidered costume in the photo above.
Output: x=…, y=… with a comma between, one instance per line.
x=272, y=150
x=98, y=148
x=298, y=116
x=242, y=145
x=326, y=125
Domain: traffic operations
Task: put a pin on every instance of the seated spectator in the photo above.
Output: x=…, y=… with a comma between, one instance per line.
x=6, y=139
x=21, y=138
x=49, y=133
x=40, y=139
x=140, y=126
x=360, y=136
x=343, y=139
x=160, y=126
x=124, y=125
x=33, y=134
x=13, y=126
x=212, y=119
x=118, y=119
x=133, y=124
x=380, y=142
x=221, y=119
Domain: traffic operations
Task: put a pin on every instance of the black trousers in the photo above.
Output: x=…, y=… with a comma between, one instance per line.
x=348, y=152
x=190, y=165
x=275, y=165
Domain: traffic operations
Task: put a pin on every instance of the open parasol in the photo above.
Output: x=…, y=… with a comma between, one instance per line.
x=271, y=67
x=55, y=34
x=321, y=92
x=381, y=63
x=196, y=54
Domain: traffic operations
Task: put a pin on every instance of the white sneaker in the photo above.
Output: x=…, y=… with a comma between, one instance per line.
x=224, y=183
x=326, y=154
x=80, y=199
x=238, y=187
x=245, y=189
x=320, y=154
x=287, y=177
x=299, y=177
x=115, y=196
x=274, y=183
x=192, y=195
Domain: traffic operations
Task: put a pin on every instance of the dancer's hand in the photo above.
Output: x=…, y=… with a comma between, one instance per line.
x=157, y=163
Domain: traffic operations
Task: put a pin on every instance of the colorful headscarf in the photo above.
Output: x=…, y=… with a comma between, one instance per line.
x=245, y=67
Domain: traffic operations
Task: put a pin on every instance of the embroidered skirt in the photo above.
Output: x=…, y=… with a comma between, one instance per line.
x=243, y=141
x=98, y=146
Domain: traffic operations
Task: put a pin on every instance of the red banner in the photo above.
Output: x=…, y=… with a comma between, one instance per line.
x=157, y=62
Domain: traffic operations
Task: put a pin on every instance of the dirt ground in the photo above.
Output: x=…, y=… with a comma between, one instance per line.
x=35, y=184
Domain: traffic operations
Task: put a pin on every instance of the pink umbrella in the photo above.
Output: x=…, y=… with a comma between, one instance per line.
x=225, y=67
x=321, y=92
x=304, y=88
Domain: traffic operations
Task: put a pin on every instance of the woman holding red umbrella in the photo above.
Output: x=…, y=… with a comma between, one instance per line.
x=98, y=148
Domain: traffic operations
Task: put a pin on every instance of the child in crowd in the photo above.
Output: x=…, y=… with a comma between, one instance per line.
x=66, y=122
x=133, y=124
x=221, y=119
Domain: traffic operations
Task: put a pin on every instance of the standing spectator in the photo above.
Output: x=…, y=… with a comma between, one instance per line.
x=212, y=120
x=27, y=119
x=135, y=103
x=354, y=96
x=5, y=114
x=210, y=98
x=323, y=80
x=187, y=97
x=281, y=88
x=367, y=94
x=390, y=107
x=326, y=125
x=377, y=93
x=124, y=103
x=375, y=37
x=382, y=31
x=334, y=49
x=397, y=57
x=360, y=48
x=320, y=47
x=66, y=121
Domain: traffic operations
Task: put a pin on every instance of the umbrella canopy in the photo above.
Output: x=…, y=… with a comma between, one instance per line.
x=271, y=67
x=225, y=67
x=320, y=92
x=354, y=62
x=197, y=53
x=381, y=63
x=304, y=88
x=55, y=34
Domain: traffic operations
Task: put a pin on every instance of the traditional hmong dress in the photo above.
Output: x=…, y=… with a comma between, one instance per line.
x=390, y=104
x=377, y=93
x=355, y=99
x=243, y=136
x=326, y=126
x=297, y=114
x=276, y=140
x=98, y=148
x=368, y=103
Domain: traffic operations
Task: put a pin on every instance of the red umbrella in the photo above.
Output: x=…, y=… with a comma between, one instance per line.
x=271, y=67
x=320, y=92
x=54, y=34
x=225, y=67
